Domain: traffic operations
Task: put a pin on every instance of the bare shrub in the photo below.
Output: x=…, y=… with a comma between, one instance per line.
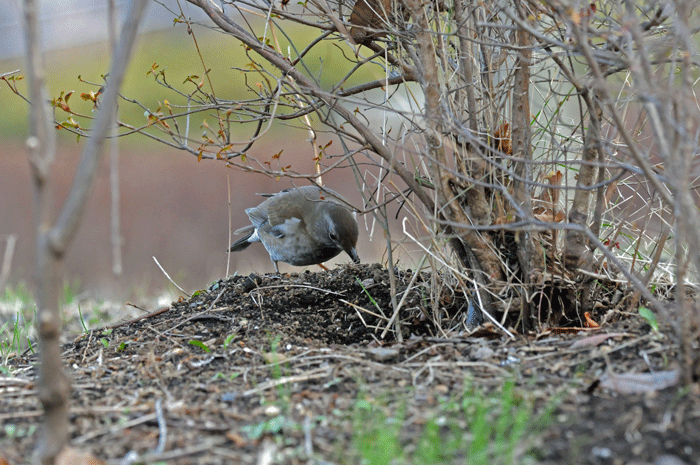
x=552, y=145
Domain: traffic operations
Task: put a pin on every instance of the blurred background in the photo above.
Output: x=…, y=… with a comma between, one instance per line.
x=173, y=207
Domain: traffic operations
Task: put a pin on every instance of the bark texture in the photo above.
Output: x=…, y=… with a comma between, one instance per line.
x=528, y=249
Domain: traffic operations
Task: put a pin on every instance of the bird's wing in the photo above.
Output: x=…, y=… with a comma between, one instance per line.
x=258, y=215
x=289, y=227
x=286, y=206
x=247, y=230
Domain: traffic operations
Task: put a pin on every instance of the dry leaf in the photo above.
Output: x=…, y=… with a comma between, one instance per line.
x=590, y=322
x=546, y=216
x=502, y=139
x=274, y=357
x=70, y=456
x=592, y=341
x=639, y=383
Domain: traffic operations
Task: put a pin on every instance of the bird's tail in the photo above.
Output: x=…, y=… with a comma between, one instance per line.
x=244, y=241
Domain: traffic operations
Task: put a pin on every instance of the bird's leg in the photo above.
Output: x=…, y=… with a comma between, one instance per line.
x=323, y=267
x=277, y=270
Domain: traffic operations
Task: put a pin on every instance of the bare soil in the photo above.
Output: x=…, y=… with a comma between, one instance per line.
x=283, y=362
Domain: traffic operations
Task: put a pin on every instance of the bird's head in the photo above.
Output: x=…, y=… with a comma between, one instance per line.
x=341, y=229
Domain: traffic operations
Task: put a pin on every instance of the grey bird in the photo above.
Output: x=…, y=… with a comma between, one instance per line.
x=301, y=226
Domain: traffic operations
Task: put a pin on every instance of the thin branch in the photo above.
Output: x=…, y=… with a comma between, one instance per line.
x=67, y=222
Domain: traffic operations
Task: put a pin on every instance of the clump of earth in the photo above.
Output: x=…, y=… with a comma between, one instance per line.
x=285, y=368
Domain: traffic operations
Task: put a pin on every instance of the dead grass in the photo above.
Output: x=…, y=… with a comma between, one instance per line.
x=281, y=369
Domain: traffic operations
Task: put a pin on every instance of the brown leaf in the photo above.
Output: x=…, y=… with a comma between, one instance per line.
x=590, y=322
x=639, y=383
x=546, y=216
x=274, y=357
x=70, y=456
x=592, y=341
x=554, y=179
x=502, y=140
x=236, y=438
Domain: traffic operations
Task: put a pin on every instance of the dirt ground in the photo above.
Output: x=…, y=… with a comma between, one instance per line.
x=278, y=369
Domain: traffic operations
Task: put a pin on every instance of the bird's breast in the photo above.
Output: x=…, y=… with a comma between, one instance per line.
x=298, y=249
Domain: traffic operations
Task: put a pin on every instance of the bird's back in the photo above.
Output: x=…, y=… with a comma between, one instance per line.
x=291, y=203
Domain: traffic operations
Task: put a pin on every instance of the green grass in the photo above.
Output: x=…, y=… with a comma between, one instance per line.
x=377, y=432
x=13, y=431
x=475, y=427
x=16, y=322
x=18, y=315
x=278, y=410
x=18, y=295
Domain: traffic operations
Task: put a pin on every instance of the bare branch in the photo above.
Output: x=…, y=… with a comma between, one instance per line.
x=70, y=216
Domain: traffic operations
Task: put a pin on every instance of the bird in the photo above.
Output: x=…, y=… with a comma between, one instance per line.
x=301, y=226
x=374, y=19
x=368, y=19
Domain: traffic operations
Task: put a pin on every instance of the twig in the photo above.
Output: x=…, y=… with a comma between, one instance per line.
x=197, y=315
x=173, y=454
x=162, y=427
x=169, y=278
x=403, y=299
x=493, y=320
x=9, y=73
x=357, y=307
x=133, y=320
x=136, y=307
x=602, y=277
x=7, y=259
x=318, y=373
x=115, y=429
x=285, y=286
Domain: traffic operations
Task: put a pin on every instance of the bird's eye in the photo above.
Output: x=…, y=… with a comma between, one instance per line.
x=333, y=237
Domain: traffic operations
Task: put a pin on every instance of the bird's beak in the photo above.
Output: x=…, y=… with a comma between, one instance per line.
x=353, y=254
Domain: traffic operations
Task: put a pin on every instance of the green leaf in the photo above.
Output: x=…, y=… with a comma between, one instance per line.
x=199, y=344
x=650, y=317
x=254, y=431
